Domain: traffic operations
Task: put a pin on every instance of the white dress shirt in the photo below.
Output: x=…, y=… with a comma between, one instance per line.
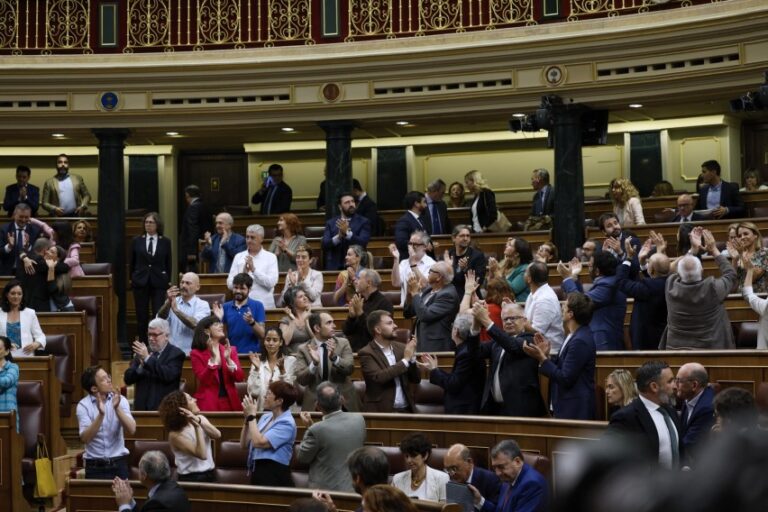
x=264, y=275
x=400, y=401
x=405, y=272
x=665, y=444
x=543, y=311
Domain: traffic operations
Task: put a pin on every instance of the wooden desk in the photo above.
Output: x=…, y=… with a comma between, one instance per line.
x=43, y=369
x=10, y=464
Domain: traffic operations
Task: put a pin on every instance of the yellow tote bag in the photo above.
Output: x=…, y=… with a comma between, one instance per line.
x=45, y=485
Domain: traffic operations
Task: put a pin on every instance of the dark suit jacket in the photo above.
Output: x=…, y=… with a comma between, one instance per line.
x=37, y=293
x=7, y=259
x=281, y=202
x=529, y=494
x=695, y=429
x=196, y=221
x=694, y=217
x=649, y=314
x=168, y=497
x=380, y=377
x=572, y=377
x=231, y=247
x=158, y=376
x=333, y=255
x=434, y=318
x=486, y=209
x=518, y=375
x=549, y=202
x=729, y=197
x=610, y=306
x=356, y=329
x=155, y=269
x=634, y=420
x=406, y=225
x=463, y=386
x=368, y=209
x=486, y=482
x=477, y=262
x=12, y=198
x=442, y=212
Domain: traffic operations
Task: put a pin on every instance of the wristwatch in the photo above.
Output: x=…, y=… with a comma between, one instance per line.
x=249, y=418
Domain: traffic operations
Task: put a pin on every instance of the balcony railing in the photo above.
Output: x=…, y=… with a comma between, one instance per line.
x=91, y=26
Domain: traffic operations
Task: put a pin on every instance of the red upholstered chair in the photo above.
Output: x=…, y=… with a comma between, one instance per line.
x=231, y=464
x=142, y=446
x=60, y=346
x=429, y=398
x=90, y=304
x=96, y=269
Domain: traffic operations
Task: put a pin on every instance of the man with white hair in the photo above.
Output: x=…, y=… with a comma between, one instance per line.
x=221, y=248
x=435, y=308
x=258, y=263
x=697, y=318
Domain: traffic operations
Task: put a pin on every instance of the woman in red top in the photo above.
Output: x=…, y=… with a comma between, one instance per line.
x=216, y=367
x=496, y=290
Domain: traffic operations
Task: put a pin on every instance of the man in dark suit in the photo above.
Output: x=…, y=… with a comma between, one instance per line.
x=721, y=197
x=544, y=198
x=610, y=303
x=463, y=257
x=367, y=208
x=18, y=237
x=463, y=386
x=164, y=493
x=435, y=307
x=32, y=271
x=388, y=367
x=512, y=384
x=437, y=210
x=156, y=370
x=275, y=195
x=196, y=221
x=649, y=314
x=649, y=420
x=697, y=415
x=412, y=220
x=150, y=276
x=342, y=231
x=461, y=468
x=611, y=228
x=684, y=212
x=22, y=192
x=523, y=489
x=367, y=300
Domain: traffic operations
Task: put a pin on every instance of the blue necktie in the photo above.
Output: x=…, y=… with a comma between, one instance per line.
x=435, y=220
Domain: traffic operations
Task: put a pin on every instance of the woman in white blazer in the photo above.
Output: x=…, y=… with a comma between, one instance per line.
x=19, y=323
x=420, y=481
x=273, y=364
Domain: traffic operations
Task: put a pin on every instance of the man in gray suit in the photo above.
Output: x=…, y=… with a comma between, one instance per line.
x=327, y=444
x=434, y=308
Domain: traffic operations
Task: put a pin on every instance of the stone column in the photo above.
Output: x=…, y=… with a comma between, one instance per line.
x=110, y=243
x=338, y=162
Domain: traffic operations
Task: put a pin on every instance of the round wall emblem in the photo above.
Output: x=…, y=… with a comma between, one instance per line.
x=554, y=75
x=331, y=92
x=109, y=101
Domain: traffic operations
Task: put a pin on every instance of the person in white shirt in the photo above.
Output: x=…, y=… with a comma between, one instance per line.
x=183, y=310
x=260, y=264
x=542, y=307
x=417, y=262
x=65, y=194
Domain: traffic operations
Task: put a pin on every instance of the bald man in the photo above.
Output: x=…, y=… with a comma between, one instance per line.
x=183, y=309
x=461, y=469
x=697, y=414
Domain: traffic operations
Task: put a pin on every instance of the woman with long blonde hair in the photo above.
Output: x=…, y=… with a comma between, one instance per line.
x=749, y=245
x=626, y=203
x=483, y=206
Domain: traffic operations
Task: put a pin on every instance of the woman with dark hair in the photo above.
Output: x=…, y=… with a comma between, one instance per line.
x=216, y=367
x=287, y=242
x=517, y=257
x=270, y=440
x=150, y=269
x=189, y=434
x=419, y=481
x=385, y=498
x=456, y=195
x=59, y=285
x=64, y=236
x=294, y=324
x=355, y=261
x=9, y=379
x=497, y=290
x=304, y=275
x=18, y=322
x=272, y=365
x=483, y=209
x=82, y=231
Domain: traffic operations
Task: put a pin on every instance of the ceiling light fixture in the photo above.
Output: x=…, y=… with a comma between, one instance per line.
x=518, y=115
x=172, y=134
x=402, y=123
x=635, y=105
x=57, y=135
x=287, y=129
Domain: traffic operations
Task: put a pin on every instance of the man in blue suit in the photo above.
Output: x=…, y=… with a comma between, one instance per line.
x=649, y=314
x=523, y=489
x=610, y=303
x=342, y=231
x=414, y=219
x=697, y=415
x=572, y=375
x=18, y=236
x=22, y=192
x=721, y=197
x=221, y=248
x=461, y=468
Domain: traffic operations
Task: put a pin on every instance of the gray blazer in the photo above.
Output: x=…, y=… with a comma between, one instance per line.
x=325, y=447
x=434, y=318
x=696, y=316
x=340, y=373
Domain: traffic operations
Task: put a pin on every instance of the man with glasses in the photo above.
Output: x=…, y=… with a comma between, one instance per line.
x=685, y=211
x=156, y=370
x=697, y=414
x=434, y=308
x=461, y=469
x=417, y=263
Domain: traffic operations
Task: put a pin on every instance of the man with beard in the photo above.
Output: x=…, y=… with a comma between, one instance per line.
x=342, y=231
x=367, y=299
x=65, y=194
x=414, y=219
x=243, y=317
x=389, y=367
x=616, y=237
x=183, y=310
x=650, y=419
x=462, y=257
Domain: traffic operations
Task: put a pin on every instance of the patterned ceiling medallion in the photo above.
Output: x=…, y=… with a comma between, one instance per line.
x=554, y=75
x=331, y=92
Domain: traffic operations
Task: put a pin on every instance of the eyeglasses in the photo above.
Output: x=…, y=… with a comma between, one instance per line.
x=511, y=319
x=415, y=244
x=451, y=470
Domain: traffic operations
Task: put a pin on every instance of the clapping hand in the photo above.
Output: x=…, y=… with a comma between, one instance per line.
x=394, y=252
x=255, y=360
x=644, y=251
x=658, y=240
x=428, y=361
x=470, y=282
